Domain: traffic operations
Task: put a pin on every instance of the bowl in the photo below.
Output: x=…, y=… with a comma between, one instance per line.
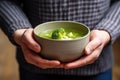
x=62, y=50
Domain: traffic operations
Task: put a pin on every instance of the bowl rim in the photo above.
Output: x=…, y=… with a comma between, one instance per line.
x=80, y=38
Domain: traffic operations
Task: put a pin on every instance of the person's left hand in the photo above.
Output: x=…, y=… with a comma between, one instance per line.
x=98, y=39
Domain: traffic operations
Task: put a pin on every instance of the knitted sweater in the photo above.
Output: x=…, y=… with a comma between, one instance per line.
x=96, y=14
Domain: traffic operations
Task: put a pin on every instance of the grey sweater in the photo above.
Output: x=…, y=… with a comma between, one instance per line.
x=96, y=14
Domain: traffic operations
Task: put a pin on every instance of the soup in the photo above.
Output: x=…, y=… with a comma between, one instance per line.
x=61, y=34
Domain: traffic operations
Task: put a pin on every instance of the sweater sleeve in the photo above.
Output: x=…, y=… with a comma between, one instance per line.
x=111, y=21
x=12, y=18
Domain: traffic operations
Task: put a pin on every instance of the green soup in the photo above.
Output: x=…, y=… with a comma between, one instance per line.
x=61, y=34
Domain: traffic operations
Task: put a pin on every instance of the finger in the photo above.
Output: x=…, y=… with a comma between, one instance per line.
x=59, y=66
x=92, y=45
x=44, y=63
x=89, y=59
x=95, y=55
x=36, y=60
x=26, y=53
x=27, y=39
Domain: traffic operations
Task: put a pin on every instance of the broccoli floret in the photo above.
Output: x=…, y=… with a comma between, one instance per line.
x=58, y=33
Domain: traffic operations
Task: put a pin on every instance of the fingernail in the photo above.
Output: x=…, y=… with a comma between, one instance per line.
x=88, y=51
x=37, y=48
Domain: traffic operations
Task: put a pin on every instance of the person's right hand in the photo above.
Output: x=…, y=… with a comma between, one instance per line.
x=24, y=38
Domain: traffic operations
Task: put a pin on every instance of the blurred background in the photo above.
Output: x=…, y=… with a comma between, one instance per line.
x=9, y=66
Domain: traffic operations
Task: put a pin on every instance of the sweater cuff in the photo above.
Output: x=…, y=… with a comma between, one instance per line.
x=108, y=25
x=12, y=18
x=13, y=29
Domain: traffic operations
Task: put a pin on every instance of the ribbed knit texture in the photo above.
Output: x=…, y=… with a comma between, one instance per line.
x=12, y=18
x=96, y=14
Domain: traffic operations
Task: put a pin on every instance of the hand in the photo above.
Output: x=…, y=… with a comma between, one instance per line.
x=98, y=39
x=24, y=37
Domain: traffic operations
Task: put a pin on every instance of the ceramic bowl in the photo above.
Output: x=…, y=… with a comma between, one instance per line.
x=62, y=50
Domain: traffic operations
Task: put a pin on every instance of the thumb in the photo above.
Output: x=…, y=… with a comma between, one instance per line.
x=28, y=40
x=92, y=45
